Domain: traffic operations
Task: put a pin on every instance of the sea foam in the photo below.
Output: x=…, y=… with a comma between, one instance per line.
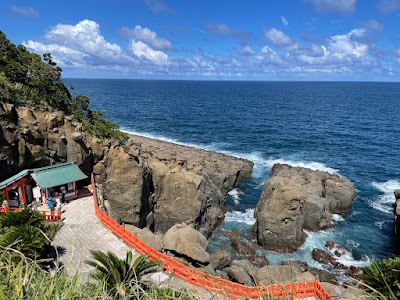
x=384, y=202
x=246, y=217
x=313, y=165
x=235, y=194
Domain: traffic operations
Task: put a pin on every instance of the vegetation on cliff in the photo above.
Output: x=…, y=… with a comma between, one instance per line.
x=26, y=78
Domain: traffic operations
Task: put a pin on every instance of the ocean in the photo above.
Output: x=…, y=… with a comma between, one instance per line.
x=348, y=128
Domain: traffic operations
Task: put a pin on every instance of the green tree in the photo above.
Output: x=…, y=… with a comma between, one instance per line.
x=119, y=274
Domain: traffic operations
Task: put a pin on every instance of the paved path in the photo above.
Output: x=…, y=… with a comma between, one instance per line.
x=81, y=233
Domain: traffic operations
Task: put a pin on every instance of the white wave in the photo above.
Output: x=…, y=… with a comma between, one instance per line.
x=353, y=243
x=235, y=194
x=384, y=203
x=379, y=224
x=387, y=187
x=337, y=218
x=348, y=261
x=313, y=165
x=246, y=217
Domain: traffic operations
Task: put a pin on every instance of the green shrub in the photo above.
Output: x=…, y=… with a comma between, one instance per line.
x=26, y=216
x=383, y=277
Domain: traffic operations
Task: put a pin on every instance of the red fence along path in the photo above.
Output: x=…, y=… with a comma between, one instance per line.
x=212, y=283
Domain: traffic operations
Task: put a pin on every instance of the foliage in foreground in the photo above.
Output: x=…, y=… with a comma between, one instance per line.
x=28, y=78
x=383, y=278
x=24, y=231
x=118, y=274
x=22, y=278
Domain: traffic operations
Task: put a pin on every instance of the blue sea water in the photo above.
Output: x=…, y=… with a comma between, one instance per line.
x=348, y=128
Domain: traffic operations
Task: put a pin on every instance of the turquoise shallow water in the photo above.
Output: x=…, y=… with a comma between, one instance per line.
x=348, y=128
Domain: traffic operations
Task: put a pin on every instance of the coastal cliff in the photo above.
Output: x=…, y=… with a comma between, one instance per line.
x=156, y=184
x=148, y=183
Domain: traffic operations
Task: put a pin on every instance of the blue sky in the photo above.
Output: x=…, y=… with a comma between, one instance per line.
x=229, y=40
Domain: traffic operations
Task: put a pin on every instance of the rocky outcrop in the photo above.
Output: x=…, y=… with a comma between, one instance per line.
x=184, y=240
x=220, y=259
x=397, y=223
x=32, y=137
x=156, y=184
x=296, y=198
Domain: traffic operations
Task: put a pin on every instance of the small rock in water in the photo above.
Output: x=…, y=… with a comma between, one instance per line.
x=242, y=247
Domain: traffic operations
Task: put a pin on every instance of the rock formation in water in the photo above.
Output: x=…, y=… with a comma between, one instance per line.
x=156, y=184
x=148, y=183
x=294, y=199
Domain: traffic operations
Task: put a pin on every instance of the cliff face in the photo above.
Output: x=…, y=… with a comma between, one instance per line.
x=148, y=183
x=38, y=137
x=157, y=184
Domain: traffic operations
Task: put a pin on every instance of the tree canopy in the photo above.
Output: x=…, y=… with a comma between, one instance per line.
x=27, y=78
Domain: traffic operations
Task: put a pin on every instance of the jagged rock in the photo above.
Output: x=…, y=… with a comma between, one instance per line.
x=259, y=260
x=32, y=137
x=322, y=257
x=397, y=194
x=77, y=136
x=230, y=234
x=337, y=249
x=220, y=259
x=185, y=240
x=294, y=199
x=238, y=274
x=242, y=247
x=99, y=168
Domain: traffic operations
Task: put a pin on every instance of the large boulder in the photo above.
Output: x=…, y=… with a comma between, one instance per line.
x=296, y=198
x=220, y=259
x=183, y=239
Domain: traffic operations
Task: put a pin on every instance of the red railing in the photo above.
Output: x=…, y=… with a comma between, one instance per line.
x=206, y=281
x=51, y=216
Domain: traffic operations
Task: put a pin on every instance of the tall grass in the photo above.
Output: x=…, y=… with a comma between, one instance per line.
x=24, y=278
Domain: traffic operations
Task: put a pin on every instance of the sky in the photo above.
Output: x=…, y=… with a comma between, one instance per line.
x=338, y=40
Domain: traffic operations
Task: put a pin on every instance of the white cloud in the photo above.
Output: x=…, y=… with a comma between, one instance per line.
x=140, y=49
x=146, y=36
x=24, y=11
x=81, y=45
x=284, y=21
x=247, y=51
x=343, y=46
x=374, y=25
x=278, y=38
x=340, y=6
x=85, y=37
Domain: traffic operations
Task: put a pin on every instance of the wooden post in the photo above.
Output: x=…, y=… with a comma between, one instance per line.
x=22, y=186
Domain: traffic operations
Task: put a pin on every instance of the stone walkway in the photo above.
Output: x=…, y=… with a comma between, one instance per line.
x=81, y=233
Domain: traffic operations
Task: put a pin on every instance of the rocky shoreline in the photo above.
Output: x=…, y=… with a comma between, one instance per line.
x=160, y=189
